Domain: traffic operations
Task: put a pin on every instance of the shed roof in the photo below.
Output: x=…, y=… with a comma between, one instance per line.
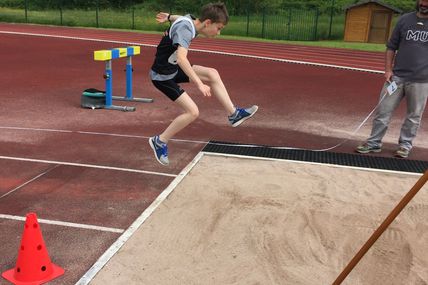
x=396, y=10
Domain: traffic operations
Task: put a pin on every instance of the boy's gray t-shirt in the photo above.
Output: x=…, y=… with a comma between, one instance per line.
x=182, y=32
x=410, y=40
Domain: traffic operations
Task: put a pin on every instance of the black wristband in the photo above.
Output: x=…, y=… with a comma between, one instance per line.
x=169, y=15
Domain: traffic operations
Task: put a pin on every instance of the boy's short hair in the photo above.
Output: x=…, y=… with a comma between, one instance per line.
x=216, y=12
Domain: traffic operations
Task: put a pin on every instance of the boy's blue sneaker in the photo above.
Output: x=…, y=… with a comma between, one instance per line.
x=241, y=115
x=160, y=149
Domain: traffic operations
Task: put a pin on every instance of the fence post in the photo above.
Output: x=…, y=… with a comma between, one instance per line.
x=316, y=24
x=171, y=5
x=263, y=22
x=289, y=24
x=26, y=11
x=60, y=11
x=331, y=19
x=96, y=13
x=133, y=15
x=248, y=19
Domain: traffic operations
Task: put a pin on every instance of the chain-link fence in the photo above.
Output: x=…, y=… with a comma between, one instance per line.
x=286, y=23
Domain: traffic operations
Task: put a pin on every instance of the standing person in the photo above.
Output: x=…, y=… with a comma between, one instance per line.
x=171, y=67
x=407, y=65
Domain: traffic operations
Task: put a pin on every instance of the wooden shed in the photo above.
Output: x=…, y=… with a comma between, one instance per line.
x=369, y=22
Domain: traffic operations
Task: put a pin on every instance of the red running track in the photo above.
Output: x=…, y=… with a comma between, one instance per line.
x=371, y=61
x=49, y=145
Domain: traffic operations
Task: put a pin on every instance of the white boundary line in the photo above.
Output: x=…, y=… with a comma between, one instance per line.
x=136, y=136
x=114, y=248
x=65, y=224
x=87, y=165
x=29, y=181
x=34, y=129
x=201, y=50
x=313, y=163
x=210, y=153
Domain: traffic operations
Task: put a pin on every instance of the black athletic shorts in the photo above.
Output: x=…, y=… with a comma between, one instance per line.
x=170, y=87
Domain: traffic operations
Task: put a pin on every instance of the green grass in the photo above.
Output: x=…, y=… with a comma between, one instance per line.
x=276, y=26
x=327, y=44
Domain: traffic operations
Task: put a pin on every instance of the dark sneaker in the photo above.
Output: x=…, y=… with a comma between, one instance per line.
x=241, y=115
x=365, y=148
x=160, y=149
x=402, y=152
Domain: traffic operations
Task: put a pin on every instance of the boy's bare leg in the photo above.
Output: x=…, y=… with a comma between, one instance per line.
x=191, y=112
x=213, y=79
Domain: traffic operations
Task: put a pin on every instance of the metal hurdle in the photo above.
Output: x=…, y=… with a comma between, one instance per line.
x=108, y=56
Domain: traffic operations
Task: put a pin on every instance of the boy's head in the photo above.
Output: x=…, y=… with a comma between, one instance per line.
x=216, y=12
x=214, y=16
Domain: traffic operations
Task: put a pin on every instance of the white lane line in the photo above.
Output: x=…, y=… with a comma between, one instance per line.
x=114, y=248
x=95, y=133
x=29, y=181
x=313, y=163
x=293, y=61
x=34, y=129
x=65, y=224
x=76, y=38
x=202, y=50
x=87, y=165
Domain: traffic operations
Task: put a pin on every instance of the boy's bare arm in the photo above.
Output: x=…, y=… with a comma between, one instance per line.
x=163, y=17
x=185, y=65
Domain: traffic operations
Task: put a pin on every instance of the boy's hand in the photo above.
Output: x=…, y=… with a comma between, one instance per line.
x=162, y=17
x=205, y=89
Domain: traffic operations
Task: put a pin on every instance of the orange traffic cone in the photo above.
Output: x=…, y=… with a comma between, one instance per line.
x=33, y=266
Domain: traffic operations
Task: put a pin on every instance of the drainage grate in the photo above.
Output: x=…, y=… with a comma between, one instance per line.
x=358, y=160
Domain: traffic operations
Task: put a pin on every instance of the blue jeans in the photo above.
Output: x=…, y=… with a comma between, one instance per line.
x=416, y=97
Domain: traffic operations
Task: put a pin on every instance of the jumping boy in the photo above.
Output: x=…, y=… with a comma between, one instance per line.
x=171, y=67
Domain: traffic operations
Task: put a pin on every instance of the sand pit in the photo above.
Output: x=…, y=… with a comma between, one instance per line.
x=246, y=221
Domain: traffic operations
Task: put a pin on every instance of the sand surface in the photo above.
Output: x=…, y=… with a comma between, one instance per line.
x=246, y=221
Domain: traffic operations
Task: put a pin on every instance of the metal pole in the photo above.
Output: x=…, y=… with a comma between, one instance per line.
x=379, y=231
x=109, y=83
x=129, y=78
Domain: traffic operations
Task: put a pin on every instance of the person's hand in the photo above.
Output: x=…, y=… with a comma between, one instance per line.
x=388, y=76
x=162, y=17
x=205, y=89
